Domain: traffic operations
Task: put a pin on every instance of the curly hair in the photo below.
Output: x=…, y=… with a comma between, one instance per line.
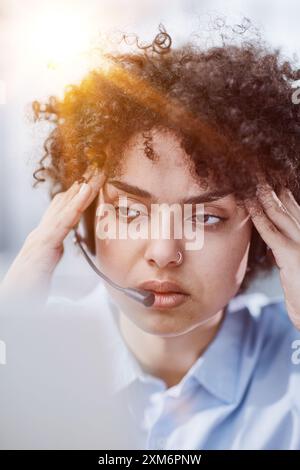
x=230, y=105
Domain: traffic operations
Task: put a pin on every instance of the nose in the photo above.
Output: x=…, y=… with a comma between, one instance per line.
x=163, y=253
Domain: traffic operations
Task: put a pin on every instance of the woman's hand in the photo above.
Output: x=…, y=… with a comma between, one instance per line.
x=277, y=219
x=30, y=274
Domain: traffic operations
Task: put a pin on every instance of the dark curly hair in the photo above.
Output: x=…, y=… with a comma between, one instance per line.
x=230, y=105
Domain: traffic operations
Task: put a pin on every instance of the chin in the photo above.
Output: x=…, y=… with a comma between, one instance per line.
x=165, y=323
x=161, y=327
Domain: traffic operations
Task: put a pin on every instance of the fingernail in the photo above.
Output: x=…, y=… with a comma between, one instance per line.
x=82, y=179
x=84, y=189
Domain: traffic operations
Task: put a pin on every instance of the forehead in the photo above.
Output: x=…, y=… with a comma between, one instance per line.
x=167, y=172
x=170, y=176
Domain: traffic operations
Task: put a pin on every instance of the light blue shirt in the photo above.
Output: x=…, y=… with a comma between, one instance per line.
x=242, y=393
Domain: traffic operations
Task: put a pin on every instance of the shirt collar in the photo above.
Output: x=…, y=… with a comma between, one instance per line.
x=217, y=369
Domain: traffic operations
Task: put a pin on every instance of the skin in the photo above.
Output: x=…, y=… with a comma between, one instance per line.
x=31, y=272
x=168, y=342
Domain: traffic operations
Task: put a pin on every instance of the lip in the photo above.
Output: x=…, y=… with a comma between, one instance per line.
x=167, y=294
x=162, y=287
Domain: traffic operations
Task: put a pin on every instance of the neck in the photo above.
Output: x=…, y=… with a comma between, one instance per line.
x=169, y=358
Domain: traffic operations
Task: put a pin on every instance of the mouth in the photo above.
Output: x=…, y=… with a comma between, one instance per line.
x=167, y=294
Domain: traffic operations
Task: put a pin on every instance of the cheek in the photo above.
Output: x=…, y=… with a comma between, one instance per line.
x=224, y=254
x=237, y=252
x=116, y=258
x=110, y=256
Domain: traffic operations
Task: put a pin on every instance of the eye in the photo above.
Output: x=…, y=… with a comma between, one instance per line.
x=126, y=213
x=202, y=219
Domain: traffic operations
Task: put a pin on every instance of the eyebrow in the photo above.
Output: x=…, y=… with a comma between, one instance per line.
x=201, y=198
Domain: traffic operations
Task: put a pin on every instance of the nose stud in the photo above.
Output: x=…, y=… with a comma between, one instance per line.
x=179, y=257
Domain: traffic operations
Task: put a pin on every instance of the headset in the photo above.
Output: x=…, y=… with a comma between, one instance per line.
x=144, y=297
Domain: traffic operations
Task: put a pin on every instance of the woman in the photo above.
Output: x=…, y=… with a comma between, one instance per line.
x=211, y=126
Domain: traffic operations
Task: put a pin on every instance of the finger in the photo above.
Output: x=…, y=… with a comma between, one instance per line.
x=97, y=178
x=67, y=207
x=268, y=231
x=278, y=213
x=72, y=213
x=91, y=175
x=66, y=219
x=62, y=197
x=290, y=203
x=96, y=182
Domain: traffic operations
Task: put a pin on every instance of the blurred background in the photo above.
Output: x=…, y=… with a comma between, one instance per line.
x=44, y=46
